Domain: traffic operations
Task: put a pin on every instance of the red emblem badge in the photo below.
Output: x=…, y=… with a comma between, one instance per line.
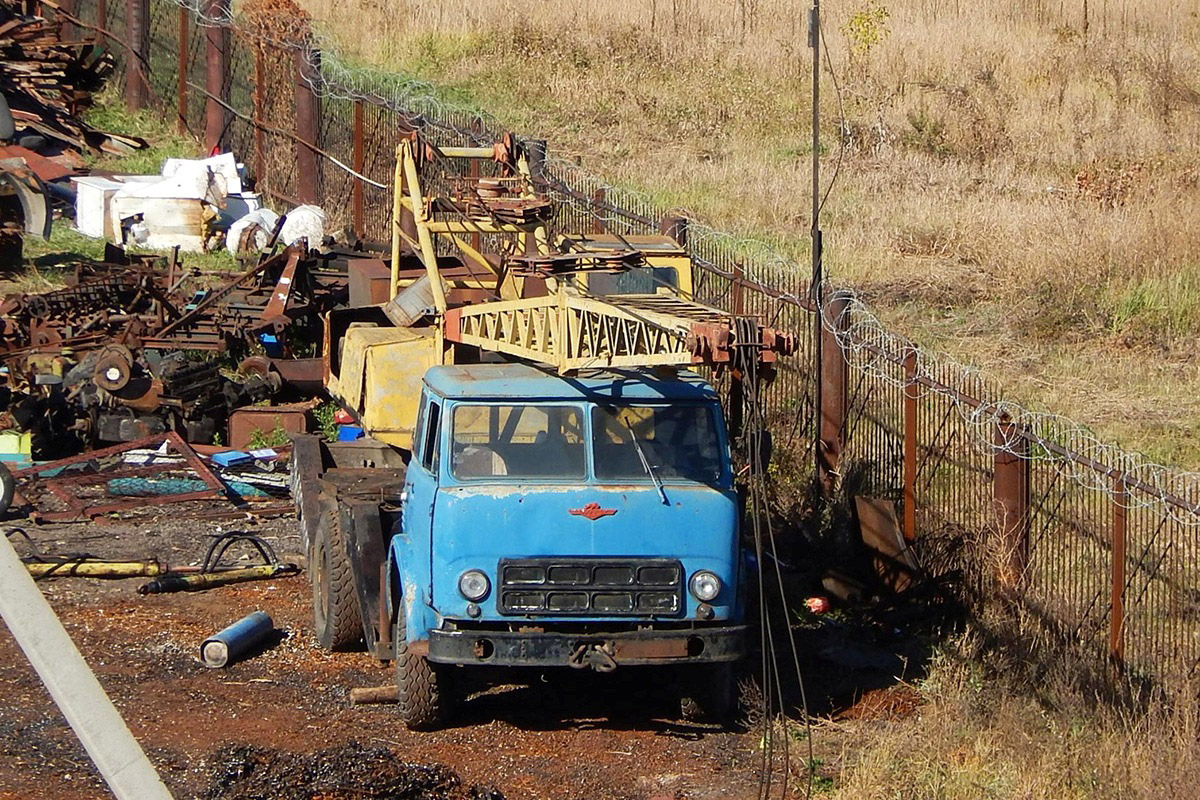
x=592, y=511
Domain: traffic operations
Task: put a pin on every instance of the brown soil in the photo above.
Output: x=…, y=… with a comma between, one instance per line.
x=279, y=724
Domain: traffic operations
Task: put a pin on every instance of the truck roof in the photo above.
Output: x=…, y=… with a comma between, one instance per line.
x=524, y=381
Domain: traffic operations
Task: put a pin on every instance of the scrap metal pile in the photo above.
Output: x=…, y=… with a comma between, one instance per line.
x=125, y=352
x=47, y=82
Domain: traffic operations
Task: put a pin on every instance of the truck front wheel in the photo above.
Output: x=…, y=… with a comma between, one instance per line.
x=336, y=617
x=421, y=690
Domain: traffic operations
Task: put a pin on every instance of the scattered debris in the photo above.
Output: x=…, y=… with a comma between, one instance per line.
x=234, y=641
x=241, y=772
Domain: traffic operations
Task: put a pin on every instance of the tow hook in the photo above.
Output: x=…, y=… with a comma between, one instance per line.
x=600, y=656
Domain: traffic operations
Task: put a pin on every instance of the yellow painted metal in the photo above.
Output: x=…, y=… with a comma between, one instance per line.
x=426, y=250
x=467, y=152
x=380, y=377
x=397, y=206
x=96, y=569
x=572, y=331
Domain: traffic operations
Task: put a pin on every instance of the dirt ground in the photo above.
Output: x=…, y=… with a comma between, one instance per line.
x=574, y=738
x=279, y=724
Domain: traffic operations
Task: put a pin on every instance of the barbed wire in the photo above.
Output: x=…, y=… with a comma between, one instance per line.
x=997, y=425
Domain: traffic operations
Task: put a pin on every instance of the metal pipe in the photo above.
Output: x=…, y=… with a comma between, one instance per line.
x=225, y=647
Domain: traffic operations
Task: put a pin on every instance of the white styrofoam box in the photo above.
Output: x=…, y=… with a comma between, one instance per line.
x=93, y=197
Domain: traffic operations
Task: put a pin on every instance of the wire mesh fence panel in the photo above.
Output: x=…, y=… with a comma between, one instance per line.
x=1068, y=583
x=1161, y=603
x=335, y=185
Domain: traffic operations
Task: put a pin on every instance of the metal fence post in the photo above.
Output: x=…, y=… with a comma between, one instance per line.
x=1010, y=491
x=676, y=227
x=308, y=126
x=599, y=198
x=216, y=73
x=832, y=413
x=359, y=165
x=137, y=38
x=910, y=445
x=1116, y=636
x=184, y=48
x=256, y=120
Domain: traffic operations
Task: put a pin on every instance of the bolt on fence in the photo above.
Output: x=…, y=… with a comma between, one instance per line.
x=1098, y=547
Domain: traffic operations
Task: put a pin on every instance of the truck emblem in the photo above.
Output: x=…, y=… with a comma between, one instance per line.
x=592, y=511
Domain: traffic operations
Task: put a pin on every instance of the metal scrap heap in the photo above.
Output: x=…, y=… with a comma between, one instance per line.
x=47, y=81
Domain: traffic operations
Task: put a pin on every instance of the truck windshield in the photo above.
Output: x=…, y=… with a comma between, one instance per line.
x=679, y=442
x=517, y=441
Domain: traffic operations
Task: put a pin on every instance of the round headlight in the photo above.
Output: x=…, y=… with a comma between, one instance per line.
x=705, y=586
x=473, y=585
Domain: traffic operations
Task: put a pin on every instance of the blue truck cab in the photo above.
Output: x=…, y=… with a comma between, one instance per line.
x=586, y=521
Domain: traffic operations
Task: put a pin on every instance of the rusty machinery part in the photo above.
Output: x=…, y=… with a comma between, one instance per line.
x=32, y=201
x=114, y=368
x=715, y=343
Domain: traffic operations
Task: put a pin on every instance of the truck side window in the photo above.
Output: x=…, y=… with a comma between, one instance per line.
x=429, y=447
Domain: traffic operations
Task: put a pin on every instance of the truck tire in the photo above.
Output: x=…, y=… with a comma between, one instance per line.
x=337, y=620
x=710, y=694
x=8, y=485
x=421, y=690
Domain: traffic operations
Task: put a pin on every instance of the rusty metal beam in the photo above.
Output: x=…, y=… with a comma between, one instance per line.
x=832, y=413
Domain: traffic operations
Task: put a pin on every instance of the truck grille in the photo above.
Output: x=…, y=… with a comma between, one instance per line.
x=602, y=587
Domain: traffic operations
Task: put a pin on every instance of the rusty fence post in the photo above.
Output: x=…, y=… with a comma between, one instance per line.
x=676, y=227
x=256, y=117
x=102, y=14
x=308, y=128
x=834, y=377
x=910, y=445
x=599, y=198
x=184, y=49
x=1116, y=636
x=137, y=71
x=216, y=73
x=1010, y=491
x=359, y=167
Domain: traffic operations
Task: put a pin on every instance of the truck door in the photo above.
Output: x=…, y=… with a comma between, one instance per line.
x=420, y=491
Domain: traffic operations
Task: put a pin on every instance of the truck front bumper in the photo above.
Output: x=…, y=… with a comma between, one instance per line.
x=600, y=651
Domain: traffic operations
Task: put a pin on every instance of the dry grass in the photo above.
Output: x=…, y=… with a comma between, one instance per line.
x=983, y=735
x=1015, y=189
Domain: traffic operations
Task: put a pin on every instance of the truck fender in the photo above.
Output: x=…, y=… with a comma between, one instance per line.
x=405, y=596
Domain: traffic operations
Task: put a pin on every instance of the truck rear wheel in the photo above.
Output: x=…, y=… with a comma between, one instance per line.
x=337, y=620
x=709, y=693
x=421, y=689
